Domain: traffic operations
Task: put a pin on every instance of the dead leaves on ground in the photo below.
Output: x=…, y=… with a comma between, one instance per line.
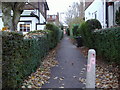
x=42, y=74
x=105, y=78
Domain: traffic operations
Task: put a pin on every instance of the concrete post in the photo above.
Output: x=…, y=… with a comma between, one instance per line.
x=90, y=80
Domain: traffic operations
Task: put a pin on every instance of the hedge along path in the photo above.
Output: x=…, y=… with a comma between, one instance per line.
x=22, y=55
x=71, y=70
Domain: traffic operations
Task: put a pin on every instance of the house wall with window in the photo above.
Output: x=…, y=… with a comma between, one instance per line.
x=104, y=11
x=1, y=23
x=53, y=19
x=95, y=11
x=32, y=18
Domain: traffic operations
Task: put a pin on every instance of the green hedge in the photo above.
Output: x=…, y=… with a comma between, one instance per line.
x=75, y=29
x=22, y=56
x=86, y=31
x=68, y=31
x=56, y=35
x=107, y=43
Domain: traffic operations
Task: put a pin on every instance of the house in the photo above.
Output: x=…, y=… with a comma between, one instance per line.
x=103, y=10
x=33, y=17
x=53, y=19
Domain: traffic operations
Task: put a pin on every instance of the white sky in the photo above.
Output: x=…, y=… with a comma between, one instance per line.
x=59, y=6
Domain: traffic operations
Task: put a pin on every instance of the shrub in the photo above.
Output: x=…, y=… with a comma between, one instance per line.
x=75, y=29
x=56, y=33
x=82, y=30
x=107, y=43
x=68, y=31
x=94, y=24
x=21, y=56
x=117, y=18
x=86, y=31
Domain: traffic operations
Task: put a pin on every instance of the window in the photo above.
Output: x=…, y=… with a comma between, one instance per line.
x=53, y=17
x=25, y=27
x=95, y=14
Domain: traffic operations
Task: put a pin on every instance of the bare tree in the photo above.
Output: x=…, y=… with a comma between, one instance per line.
x=74, y=15
x=72, y=12
x=9, y=20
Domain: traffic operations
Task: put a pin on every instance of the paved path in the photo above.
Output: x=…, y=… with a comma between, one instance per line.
x=71, y=63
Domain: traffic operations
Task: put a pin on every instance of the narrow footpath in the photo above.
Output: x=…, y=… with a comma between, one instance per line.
x=71, y=70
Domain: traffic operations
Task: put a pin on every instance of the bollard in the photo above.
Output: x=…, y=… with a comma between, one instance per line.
x=91, y=76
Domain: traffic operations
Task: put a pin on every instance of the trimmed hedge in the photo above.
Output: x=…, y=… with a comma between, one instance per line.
x=22, y=56
x=75, y=29
x=56, y=35
x=68, y=31
x=86, y=30
x=117, y=17
x=107, y=43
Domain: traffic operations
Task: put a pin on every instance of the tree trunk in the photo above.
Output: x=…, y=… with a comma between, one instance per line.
x=6, y=16
x=16, y=18
x=11, y=21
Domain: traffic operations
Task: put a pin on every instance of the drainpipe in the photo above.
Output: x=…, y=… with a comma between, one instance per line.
x=113, y=14
x=39, y=10
x=104, y=26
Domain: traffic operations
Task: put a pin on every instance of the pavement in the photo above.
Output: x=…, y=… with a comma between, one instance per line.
x=71, y=68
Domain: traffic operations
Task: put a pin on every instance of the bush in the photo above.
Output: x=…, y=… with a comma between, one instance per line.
x=117, y=18
x=75, y=29
x=86, y=31
x=107, y=43
x=22, y=55
x=56, y=35
x=94, y=24
x=68, y=32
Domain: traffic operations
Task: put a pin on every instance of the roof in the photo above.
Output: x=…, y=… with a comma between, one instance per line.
x=34, y=5
x=87, y=4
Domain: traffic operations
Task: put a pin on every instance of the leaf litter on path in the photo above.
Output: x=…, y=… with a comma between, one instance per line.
x=107, y=74
x=42, y=74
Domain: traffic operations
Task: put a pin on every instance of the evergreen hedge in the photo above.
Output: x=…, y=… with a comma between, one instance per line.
x=86, y=30
x=21, y=56
x=107, y=43
x=75, y=30
x=56, y=35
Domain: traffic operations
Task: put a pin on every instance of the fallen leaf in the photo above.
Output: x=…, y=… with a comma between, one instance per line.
x=29, y=86
x=56, y=78
x=74, y=76
x=62, y=78
x=23, y=87
x=61, y=87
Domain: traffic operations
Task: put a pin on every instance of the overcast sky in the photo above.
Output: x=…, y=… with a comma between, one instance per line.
x=60, y=6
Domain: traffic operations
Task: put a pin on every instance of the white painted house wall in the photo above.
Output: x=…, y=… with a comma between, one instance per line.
x=96, y=8
x=33, y=20
x=1, y=23
x=32, y=25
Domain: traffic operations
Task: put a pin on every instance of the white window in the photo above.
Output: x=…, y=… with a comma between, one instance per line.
x=24, y=27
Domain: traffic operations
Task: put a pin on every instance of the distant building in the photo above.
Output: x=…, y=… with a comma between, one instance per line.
x=33, y=17
x=103, y=10
x=53, y=19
